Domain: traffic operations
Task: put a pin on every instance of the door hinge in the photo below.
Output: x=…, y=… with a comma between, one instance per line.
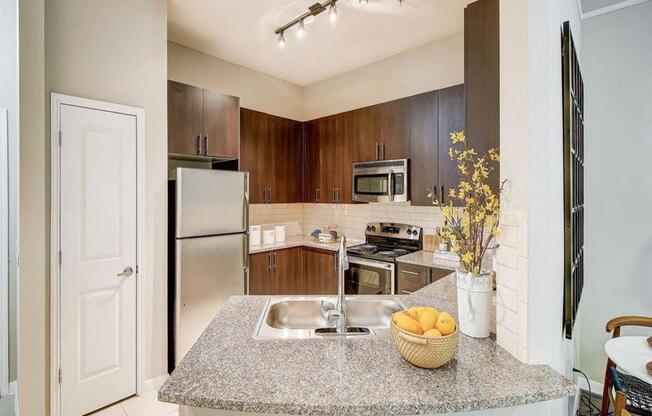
x=60, y=257
x=60, y=139
x=59, y=376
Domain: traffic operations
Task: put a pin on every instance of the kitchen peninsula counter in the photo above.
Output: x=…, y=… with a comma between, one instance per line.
x=229, y=371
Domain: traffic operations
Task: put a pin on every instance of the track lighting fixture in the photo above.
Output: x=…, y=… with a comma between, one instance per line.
x=332, y=13
x=281, y=40
x=301, y=29
x=363, y=2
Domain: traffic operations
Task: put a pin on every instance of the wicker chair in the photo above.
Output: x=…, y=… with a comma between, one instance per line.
x=631, y=394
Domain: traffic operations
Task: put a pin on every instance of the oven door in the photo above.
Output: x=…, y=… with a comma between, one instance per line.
x=369, y=277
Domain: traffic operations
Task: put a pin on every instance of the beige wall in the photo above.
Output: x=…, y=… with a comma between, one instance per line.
x=110, y=51
x=433, y=66
x=256, y=90
x=33, y=335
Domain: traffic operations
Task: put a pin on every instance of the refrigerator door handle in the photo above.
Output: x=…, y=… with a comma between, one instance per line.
x=246, y=203
x=245, y=256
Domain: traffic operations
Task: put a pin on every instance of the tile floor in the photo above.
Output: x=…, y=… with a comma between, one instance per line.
x=145, y=405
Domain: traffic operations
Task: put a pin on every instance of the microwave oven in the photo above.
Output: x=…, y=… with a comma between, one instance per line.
x=381, y=181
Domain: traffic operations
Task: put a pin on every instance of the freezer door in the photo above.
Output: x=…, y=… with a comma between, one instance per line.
x=208, y=271
x=210, y=202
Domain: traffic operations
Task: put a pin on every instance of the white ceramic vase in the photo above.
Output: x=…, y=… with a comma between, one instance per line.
x=474, y=303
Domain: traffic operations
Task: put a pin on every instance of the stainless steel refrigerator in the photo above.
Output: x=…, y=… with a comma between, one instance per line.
x=208, y=250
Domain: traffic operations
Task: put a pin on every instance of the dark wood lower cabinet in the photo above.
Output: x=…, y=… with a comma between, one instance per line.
x=412, y=277
x=319, y=271
x=278, y=272
x=293, y=271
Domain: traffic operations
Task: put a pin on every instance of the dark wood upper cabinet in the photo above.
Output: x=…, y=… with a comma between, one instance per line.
x=202, y=123
x=184, y=119
x=253, y=152
x=452, y=117
x=320, y=160
x=271, y=151
x=395, y=129
x=482, y=76
x=284, y=150
x=311, y=162
x=320, y=271
x=221, y=124
x=424, y=146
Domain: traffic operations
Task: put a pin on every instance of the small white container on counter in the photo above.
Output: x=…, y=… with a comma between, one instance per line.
x=254, y=235
x=268, y=236
x=279, y=232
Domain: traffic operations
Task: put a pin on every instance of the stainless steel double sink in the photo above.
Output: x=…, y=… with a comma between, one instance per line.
x=296, y=317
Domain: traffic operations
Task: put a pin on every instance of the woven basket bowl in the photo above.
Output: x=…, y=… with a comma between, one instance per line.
x=424, y=352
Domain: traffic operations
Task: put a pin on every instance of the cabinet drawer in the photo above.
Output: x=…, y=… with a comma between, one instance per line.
x=411, y=278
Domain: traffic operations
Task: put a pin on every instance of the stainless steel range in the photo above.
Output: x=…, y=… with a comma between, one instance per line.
x=372, y=265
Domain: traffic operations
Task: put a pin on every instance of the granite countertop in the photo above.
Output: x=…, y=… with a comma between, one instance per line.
x=227, y=369
x=427, y=258
x=301, y=241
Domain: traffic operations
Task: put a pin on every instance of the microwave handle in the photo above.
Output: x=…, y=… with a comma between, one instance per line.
x=390, y=185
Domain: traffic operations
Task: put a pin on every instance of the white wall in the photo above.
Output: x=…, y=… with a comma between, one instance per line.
x=617, y=65
x=9, y=102
x=433, y=66
x=257, y=91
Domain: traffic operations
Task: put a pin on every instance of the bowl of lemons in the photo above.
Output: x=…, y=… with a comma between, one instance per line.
x=424, y=336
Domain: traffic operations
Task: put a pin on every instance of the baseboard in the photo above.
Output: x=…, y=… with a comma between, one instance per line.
x=596, y=386
x=154, y=384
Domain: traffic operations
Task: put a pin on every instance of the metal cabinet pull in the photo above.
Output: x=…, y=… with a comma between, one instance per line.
x=382, y=150
x=317, y=194
x=205, y=145
x=269, y=261
x=269, y=189
x=405, y=292
x=377, y=152
x=199, y=144
x=409, y=272
x=128, y=271
x=273, y=260
x=333, y=195
x=443, y=196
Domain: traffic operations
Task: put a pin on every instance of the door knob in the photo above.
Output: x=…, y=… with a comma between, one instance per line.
x=128, y=271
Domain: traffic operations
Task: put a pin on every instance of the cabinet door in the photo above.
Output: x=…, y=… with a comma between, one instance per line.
x=329, y=176
x=287, y=276
x=184, y=119
x=482, y=77
x=311, y=162
x=253, y=152
x=452, y=116
x=284, y=150
x=411, y=278
x=221, y=124
x=395, y=129
x=320, y=271
x=260, y=274
x=424, y=146
x=358, y=140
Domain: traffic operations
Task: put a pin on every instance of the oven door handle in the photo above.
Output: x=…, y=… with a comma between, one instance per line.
x=390, y=185
x=371, y=263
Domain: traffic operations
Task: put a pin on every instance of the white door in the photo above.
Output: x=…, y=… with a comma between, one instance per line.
x=98, y=250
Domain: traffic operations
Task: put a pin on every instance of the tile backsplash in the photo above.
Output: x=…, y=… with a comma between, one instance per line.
x=350, y=218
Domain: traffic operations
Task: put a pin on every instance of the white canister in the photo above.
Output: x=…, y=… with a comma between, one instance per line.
x=279, y=232
x=268, y=236
x=254, y=235
x=474, y=303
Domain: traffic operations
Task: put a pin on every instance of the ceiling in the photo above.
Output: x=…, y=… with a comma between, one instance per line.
x=590, y=5
x=242, y=32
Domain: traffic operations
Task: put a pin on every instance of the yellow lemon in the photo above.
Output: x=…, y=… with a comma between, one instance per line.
x=396, y=315
x=413, y=312
x=427, y=319
x=445, y=323
x=408, y=324
x=432, y=333
x=427, y=308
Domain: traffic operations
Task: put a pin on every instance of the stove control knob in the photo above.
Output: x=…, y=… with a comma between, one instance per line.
x=368, y=227
x=373, y=228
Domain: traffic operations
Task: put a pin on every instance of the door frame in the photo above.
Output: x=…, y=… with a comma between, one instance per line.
x=56, y=101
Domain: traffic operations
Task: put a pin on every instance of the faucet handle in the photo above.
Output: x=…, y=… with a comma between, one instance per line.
x=326, y=306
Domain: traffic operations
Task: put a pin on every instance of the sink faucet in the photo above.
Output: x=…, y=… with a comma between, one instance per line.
x=338, y=311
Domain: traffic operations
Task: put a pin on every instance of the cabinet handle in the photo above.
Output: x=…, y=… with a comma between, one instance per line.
x=337, y=195
x=205, y=145
x=264, y=195
x=409, y=272
x=269, y=261
x=333, y=195
x=317, y=194
x=199, y=144
x=382, y=150
x=269, y=189
x=443, y=196
x=274, y=260
x=377, y=152
x=405, y=292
